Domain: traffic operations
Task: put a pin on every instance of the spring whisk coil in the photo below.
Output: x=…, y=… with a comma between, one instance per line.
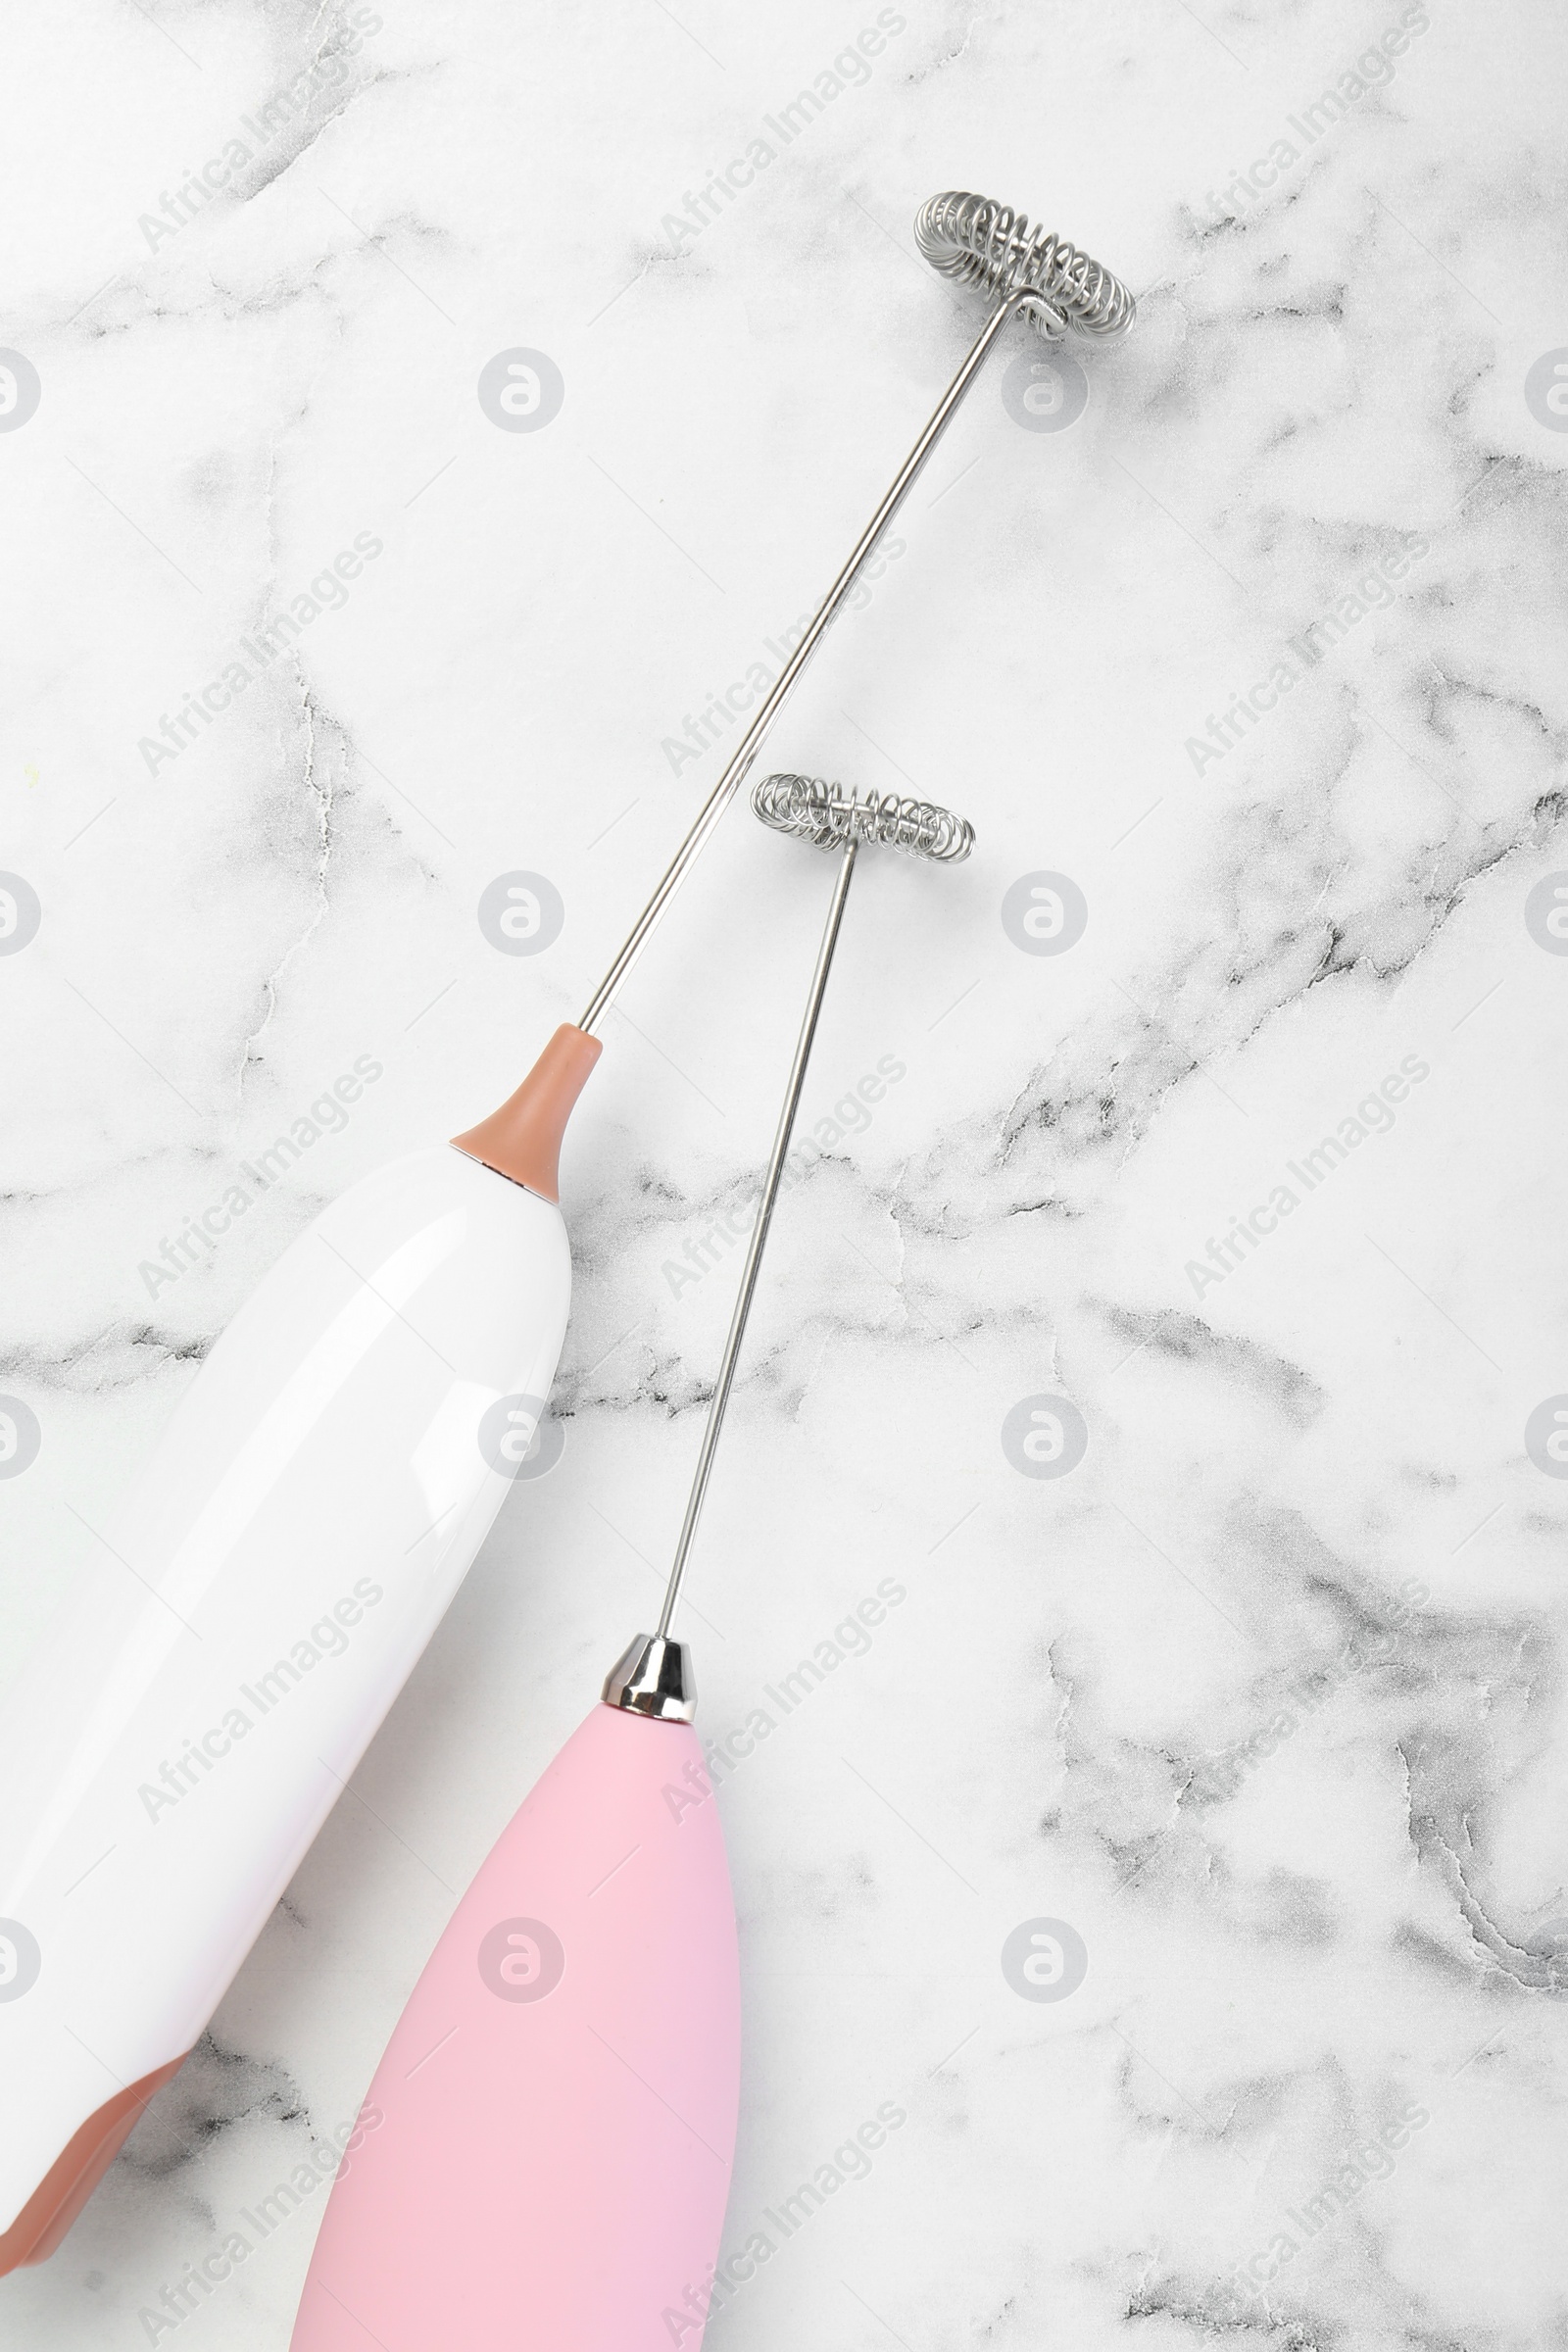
x=983, y=243
x=830, y=817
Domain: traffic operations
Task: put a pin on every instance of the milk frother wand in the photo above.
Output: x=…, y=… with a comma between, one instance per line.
x=543, y=2154
x=260, y=1597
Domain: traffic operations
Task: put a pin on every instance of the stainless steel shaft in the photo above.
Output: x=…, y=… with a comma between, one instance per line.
x=653, y=1675
x=751, y=743
x=1060, y=288
x=830, y=817
x=758, y=1240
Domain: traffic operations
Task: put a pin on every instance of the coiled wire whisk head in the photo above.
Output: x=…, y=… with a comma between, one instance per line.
x=830, y=817
x=983, y=243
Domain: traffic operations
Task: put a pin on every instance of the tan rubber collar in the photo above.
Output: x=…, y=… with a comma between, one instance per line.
x=75, y=2172
x=522, y=1139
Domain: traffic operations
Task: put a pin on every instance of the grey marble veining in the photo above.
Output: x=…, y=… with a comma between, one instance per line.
x=1261, y=1699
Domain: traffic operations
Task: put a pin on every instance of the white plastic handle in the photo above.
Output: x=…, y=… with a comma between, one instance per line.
x=301, y=1527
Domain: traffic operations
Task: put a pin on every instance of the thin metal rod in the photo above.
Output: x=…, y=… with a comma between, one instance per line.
x=758, y=1240
x=751, y=742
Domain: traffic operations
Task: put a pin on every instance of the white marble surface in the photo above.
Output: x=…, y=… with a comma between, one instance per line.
x=1306, y=1491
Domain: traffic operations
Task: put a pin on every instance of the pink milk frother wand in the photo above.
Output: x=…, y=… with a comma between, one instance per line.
x=554, y=2116
x=319, y=1494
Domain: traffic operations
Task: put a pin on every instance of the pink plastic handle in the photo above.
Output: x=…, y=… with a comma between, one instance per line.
x=546, y=2144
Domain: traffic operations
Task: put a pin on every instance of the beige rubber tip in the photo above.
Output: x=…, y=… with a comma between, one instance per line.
x=522, y=1139
x=75, y=2172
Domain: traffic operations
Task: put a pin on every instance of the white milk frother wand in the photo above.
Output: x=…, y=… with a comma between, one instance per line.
x=310, y=1510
